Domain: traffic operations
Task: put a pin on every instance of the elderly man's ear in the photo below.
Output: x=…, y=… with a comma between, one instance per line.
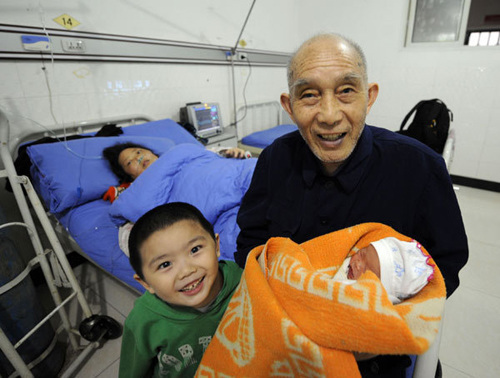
x=372, y=95
x=285, y=103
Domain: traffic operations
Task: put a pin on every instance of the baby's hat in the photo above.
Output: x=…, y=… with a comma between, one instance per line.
x=404, y=270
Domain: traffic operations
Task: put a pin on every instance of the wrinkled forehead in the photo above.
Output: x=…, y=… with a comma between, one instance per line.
x=328, y=51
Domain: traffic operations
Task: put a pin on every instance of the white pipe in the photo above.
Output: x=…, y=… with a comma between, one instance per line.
x=13, y=357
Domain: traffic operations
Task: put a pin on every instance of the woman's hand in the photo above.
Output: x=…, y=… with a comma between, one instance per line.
x=235, y=152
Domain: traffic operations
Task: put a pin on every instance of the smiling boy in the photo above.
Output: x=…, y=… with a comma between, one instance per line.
x=174, y=252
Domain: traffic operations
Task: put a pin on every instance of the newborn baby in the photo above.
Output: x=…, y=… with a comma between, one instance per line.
x=401, y=266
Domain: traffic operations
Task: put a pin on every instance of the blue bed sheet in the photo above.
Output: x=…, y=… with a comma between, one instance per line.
x=262, y=139
x=190, y=173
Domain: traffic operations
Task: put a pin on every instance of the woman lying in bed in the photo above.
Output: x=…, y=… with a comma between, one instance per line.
x=129, y=160
x=186, y=173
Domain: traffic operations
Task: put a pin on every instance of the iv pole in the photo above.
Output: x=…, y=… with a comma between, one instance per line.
x=233, y=54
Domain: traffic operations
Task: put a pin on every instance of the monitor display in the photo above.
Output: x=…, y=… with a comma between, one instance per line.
x=205, y=118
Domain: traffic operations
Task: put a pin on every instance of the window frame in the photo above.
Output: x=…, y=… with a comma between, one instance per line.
x=462, y=32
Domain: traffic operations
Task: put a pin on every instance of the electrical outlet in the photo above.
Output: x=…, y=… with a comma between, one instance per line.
x=73, y=45
x=229, y=55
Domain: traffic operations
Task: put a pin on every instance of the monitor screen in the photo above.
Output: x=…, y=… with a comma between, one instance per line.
x=205, y=118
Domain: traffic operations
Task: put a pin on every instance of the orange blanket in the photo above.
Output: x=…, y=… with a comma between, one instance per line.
x=294, y=320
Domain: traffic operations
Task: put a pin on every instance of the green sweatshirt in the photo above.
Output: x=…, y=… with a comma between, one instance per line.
x=160, y=340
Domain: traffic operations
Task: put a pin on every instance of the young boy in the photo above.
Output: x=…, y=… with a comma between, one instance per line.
x=174, y=252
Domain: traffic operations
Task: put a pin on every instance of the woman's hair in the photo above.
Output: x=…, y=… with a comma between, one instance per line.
x=112, y=154
x=157, y=219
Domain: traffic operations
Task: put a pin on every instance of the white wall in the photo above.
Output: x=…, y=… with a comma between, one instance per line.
x=466, y=79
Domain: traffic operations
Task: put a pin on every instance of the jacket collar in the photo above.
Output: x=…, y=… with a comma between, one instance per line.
x=350, y=173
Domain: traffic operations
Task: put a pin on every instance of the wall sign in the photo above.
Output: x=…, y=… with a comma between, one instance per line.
x=66, y=21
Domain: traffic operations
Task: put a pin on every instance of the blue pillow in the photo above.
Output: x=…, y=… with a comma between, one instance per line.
x=162, y=128
x=73, y=173
x=264, y=138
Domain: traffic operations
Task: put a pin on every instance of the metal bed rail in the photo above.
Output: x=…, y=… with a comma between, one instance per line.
x=257, y=117
x=94, y=327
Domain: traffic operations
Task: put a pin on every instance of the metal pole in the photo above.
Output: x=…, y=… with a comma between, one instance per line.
x=13, y=357
x=243, y=27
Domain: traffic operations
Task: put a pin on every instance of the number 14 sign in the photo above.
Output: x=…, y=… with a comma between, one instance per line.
x=67, y=21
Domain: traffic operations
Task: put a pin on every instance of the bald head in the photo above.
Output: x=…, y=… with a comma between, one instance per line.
x=330, y=41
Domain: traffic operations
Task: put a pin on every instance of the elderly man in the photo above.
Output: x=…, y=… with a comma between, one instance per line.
x=337, y=172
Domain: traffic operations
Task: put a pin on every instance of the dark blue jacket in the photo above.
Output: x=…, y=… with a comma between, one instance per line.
x=389, y=178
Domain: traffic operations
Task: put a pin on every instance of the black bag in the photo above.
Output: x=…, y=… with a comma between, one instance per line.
x=430, y=125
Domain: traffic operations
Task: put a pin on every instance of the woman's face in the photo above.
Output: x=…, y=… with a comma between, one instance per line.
x=135, y=160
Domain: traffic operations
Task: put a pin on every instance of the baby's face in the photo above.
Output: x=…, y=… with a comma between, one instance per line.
x=365, y=259
x=135, y=160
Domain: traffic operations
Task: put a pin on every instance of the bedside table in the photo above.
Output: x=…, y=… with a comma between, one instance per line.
x=226, y=139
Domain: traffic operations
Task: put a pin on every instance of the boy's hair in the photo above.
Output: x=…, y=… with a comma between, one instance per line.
x=157, y=219
x=112, y=154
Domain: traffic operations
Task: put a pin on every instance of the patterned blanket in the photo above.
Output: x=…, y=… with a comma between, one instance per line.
x=295, y=320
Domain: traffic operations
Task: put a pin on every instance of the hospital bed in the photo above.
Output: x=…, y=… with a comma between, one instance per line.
x=71, y=179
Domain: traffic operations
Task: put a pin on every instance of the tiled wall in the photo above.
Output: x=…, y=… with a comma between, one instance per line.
x=470, y=89
x=92, y=90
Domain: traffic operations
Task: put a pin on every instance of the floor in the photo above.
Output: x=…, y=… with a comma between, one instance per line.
x=471, y=334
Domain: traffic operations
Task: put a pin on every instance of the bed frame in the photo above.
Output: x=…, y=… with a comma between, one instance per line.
x=52, y=259
x=258, y=117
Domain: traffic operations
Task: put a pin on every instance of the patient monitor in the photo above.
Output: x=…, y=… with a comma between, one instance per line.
x=205, y=117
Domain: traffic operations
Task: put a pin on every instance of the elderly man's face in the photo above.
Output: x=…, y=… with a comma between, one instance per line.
x=329, y=100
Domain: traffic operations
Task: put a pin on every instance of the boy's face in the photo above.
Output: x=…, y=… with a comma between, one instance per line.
x=180, y=265
x=365, y=259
